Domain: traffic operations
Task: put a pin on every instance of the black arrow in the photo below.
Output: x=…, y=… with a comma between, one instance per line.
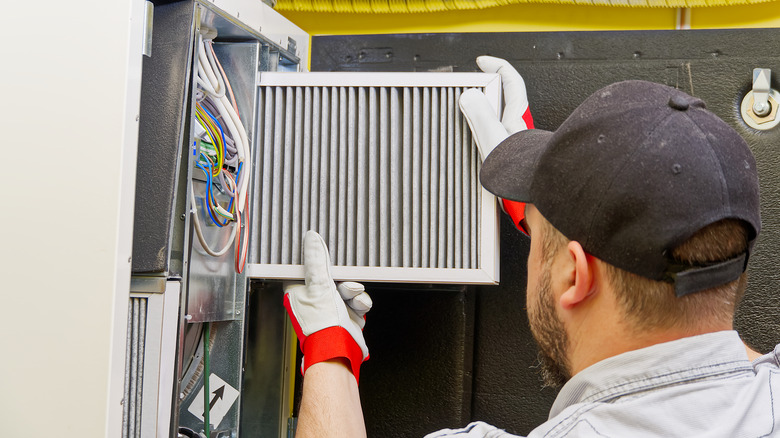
x=217, y=395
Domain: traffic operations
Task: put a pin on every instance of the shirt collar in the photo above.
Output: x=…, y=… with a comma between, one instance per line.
x=662, y=364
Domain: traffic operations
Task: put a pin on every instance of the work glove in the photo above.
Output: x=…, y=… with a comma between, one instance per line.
x=486, y=129
x=327, y=318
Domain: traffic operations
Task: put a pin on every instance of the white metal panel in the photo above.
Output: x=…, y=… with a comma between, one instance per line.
x=70, y=359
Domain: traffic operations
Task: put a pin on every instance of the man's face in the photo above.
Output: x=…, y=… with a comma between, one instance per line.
x=546, y=326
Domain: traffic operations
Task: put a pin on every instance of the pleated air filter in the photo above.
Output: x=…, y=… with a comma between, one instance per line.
x=383, y=166
x=134, y=368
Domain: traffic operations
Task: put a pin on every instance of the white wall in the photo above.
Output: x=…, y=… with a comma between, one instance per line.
x=70, y=75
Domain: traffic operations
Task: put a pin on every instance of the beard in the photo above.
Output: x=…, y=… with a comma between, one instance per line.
x=550, y=335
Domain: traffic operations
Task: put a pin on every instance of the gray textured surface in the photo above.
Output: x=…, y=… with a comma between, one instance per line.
x=163, y=95
x=561, y=69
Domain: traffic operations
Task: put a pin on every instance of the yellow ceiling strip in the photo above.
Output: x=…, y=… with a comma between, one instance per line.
x=412, y=6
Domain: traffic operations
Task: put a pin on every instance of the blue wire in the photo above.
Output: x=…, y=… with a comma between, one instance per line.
x=208, y=190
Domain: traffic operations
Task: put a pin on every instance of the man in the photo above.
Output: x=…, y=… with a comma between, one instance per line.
x=642, y=208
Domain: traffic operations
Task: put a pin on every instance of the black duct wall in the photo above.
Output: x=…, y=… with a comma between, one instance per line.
x=442, y=358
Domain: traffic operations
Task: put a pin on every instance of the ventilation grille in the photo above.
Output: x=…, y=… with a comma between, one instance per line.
x=134, y=368
x=387, y=174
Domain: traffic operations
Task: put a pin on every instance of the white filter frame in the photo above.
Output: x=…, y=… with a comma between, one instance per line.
x=487, y=271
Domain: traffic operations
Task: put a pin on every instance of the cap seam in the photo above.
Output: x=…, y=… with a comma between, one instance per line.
x=623, y=165
x=724, y=192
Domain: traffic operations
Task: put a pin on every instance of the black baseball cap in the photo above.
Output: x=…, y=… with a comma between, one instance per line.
x=633, y=172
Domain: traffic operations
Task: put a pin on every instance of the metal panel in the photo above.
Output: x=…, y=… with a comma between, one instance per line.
x=383, y=167
x=269, y=364
x=213, y=294
x=226, y=362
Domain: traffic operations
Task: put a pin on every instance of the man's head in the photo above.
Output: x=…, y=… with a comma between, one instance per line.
x=642, y=305
x=656, y=189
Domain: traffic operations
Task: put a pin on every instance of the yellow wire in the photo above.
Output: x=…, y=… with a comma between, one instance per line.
x=211, y=130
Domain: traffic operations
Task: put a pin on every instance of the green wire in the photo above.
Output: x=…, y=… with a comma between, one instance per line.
x=206, y=391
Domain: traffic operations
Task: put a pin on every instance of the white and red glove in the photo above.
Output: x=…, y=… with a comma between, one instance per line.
x=486, y=129
x=328, y=319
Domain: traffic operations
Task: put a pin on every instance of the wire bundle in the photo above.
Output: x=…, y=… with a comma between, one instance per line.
x=224, y=155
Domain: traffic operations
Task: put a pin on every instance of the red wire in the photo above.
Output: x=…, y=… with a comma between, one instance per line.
x=242, y=246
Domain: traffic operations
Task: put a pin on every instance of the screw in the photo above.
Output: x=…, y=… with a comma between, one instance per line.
x=770, y=112
x=761, y=109
x=183, y=216
x=188, y=317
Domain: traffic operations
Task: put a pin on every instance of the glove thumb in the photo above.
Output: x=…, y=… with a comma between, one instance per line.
x=515, y=97
x=487, y=130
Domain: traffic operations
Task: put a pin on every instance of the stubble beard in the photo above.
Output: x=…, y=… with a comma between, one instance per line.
x=550, y=335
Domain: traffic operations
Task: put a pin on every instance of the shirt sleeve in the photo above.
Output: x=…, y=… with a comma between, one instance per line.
x=477, y=429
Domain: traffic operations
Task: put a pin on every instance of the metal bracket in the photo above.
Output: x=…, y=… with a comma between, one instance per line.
x=760, y=105
x=292, y=46
x=761, y=88
x=148, y=27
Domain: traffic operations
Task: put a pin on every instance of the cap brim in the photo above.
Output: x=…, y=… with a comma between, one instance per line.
x=508, y=170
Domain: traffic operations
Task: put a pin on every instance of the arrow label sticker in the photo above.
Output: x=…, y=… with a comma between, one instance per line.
x=221, y=399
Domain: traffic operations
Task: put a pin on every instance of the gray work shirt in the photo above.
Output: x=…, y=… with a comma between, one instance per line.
x=701, y=386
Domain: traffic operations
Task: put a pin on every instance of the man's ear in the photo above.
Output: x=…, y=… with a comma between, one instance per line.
x=581, y=282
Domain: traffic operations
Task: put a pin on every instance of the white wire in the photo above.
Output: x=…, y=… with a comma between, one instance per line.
x=242, y=145
x=213, y=66
x=210, y=79
x=212, y=82
x=205, y=85
x=233, y=122
x=199, y=232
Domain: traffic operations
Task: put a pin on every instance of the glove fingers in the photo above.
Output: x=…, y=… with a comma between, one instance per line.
x=350, y=289
x=316, y=261
x=486, y=129
x=360, y=304
x=359, y=320
x=515, y=96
